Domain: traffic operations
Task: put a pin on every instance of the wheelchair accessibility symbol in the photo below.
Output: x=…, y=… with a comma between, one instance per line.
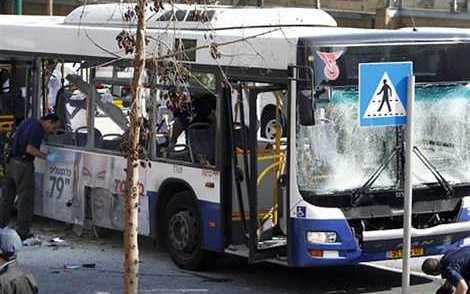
x=301, y=211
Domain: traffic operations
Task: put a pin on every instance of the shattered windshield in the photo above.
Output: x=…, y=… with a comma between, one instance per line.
x=337, y=155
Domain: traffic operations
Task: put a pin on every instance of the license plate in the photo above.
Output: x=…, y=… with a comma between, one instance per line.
x=398, y=253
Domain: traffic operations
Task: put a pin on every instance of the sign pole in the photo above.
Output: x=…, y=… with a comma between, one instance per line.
x=408, y=189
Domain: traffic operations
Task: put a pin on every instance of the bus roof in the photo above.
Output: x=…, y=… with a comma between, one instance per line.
x=407, y=35
x=196, y=17
x=245, y=37
x=252, y=37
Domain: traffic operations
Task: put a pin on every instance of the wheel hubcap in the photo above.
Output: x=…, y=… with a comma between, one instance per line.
x=270, y=130
x=181, y=230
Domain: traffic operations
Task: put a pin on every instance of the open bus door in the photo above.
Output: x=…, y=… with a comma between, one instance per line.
x=14, y=76
x=9, y=94
x=258, y=167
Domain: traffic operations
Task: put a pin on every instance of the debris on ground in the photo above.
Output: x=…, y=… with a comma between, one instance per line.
x=57, y=242
x=33, y=241
x=36, y=241
x=77, y=266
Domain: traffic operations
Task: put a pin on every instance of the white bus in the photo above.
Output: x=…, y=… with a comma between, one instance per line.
x=320, y=191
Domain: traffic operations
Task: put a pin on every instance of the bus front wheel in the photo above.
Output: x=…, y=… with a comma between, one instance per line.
x=184, y=232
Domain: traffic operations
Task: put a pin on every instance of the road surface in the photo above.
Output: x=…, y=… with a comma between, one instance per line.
x=59, y=269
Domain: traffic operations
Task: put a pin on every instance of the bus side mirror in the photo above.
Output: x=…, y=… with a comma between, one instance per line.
x=322, y=94
x=308, y=101
x=306, y=109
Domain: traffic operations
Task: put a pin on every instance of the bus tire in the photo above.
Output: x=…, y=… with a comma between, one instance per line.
x=183, y=233
x=268, y=122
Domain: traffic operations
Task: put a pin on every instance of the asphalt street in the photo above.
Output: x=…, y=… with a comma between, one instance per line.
x=87, y=265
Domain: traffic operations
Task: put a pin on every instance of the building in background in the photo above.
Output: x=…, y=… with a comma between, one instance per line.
x=350, y=13
x=40, y=7
x=383, y=13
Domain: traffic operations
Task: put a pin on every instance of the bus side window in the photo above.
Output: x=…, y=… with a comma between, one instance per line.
x=165, y=120
x=111, y=115
x=186, y=121
x=200, y=132
x=71, y=109
x=172, y=117
x=187, y=131
x=70, y=104
x=111, y=107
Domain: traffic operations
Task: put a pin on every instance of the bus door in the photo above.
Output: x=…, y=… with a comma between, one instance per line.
x=13, y=86
x=15, y=81
x=258, y=169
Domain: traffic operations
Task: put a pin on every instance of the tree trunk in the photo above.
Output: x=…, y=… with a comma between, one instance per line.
x=131, y=258
x=50, y=7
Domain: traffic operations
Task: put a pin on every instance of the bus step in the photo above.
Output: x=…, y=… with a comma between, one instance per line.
x=272, y=243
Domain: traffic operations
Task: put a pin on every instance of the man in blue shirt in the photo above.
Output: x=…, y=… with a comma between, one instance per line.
x=20, y=171
x=454, y=267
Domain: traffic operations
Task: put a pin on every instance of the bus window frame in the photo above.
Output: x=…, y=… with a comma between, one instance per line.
x=221, y=73
x=126, y=82
x=219, y=112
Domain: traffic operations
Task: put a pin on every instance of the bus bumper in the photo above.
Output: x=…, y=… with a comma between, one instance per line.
x=376, y=245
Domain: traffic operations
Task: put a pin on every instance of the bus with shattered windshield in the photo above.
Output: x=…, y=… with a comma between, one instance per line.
x=359, y=171
x=252, y=143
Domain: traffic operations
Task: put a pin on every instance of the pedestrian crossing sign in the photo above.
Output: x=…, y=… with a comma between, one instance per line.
x=383, y=93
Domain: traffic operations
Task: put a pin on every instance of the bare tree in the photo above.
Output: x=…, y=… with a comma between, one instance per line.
x=168, y=65
x=50, y=7
x=131, y=258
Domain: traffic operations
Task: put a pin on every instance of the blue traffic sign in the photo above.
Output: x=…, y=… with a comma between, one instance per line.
x=383, y=93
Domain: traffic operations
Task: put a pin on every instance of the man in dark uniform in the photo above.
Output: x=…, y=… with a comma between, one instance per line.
x=454, y=267
x=20, y=171
x=12, y=279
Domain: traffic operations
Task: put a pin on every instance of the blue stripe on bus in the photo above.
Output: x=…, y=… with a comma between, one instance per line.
x=348, y=250
x=152, y=198
x=299, y=248
x=211, y=226
x=464, y=214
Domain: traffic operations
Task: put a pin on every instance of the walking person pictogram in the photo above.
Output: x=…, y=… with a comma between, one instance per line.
x=386, y=91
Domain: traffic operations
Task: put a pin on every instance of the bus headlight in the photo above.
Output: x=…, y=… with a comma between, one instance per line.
x=321, y=237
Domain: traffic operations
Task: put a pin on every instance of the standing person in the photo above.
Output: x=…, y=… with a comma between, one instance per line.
x=12, y=279
x=20, y=171
x=454, y=267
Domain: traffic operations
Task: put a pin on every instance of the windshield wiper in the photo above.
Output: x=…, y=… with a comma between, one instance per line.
x=449, y=191
x=359, y=194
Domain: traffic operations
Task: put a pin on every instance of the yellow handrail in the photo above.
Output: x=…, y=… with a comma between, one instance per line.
x=267, y=170
x=276, y=195
x=269, y=157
